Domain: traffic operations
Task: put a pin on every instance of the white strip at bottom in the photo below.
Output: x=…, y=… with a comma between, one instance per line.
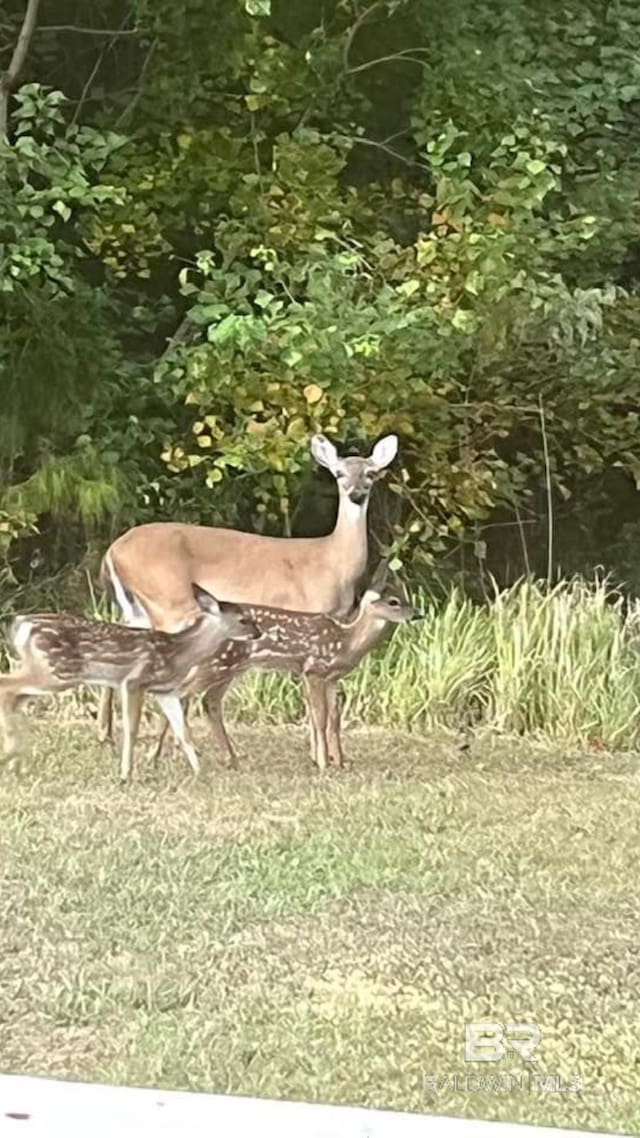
x=49, y=1108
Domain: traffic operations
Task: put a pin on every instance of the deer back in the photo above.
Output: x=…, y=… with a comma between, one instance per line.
x=287, y=642
x=75, y=650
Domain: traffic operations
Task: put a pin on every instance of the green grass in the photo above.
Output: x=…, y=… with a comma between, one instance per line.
x=272, y=932
x=561, y=664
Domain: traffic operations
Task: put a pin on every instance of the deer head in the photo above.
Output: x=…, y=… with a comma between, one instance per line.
x=230, y=618
x=387, y=596
x=355, y=475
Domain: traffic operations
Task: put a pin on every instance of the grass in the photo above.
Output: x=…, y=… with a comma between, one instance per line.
x=561, y=664
x=275, y=933
x=558, y=663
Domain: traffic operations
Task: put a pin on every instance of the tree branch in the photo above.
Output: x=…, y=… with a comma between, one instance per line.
x=388, y=150
x=132, y=104
x=353, y=31
x=407, y=56
x=8, y=80
x=95, y=69
x=88, y=31
x=185, y=332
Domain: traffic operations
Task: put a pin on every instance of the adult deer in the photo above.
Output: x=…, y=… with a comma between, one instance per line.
x=321, y=649
x=150, y=567
x=59, y=651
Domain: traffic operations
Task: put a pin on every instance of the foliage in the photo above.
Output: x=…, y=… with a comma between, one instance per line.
x=560, y=664
x=384, y=219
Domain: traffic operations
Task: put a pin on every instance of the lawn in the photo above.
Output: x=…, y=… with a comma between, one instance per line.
x=276, y=933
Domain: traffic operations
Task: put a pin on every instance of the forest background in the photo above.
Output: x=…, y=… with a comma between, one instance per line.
x=228, y=224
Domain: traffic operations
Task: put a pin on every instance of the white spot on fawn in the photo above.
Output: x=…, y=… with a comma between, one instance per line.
x=23, y=631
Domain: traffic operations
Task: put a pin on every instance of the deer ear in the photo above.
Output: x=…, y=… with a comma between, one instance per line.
x=379, y=577
x=384, y=452
x=324, y=453
x=207, y=602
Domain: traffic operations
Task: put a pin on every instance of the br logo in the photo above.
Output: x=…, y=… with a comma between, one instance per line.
x=490, y=1042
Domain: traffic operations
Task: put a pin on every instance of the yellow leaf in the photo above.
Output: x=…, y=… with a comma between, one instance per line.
x=212, y=423
x=198, y=428
x=258, y=405
x=497, y=219
x=191, y=397
x=253, y=428
x=313, y=393
x=205, y=441
x=297, y=429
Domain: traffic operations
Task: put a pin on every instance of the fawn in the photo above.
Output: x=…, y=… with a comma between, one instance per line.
x=59, y=651
x=319, y=648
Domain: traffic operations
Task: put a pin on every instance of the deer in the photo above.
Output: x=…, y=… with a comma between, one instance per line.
x=60, y=651
x=149, y=569
x=319, y=648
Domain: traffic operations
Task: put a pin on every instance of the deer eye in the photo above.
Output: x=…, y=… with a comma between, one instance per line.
x=394, y=602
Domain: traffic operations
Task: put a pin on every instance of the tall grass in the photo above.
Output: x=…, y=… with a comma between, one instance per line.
x=561, y=663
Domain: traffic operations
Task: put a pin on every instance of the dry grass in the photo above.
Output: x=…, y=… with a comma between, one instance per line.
x=272, y=932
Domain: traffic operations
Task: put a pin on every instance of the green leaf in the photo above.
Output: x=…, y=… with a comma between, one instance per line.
x=224, y=330
x=258, y=7
x=407, y=288
x=263, y=298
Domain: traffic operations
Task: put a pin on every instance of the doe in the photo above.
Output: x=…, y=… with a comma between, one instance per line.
x=59, y=651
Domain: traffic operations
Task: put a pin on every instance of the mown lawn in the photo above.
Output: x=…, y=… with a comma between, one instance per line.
x=272, y=932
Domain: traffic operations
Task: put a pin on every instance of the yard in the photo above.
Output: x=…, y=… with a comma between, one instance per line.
x=275, y=933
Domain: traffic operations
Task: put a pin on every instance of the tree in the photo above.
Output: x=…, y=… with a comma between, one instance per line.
x=277, y=220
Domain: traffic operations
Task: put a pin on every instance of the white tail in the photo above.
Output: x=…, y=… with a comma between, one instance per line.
x=57, y=652
x=319, y=648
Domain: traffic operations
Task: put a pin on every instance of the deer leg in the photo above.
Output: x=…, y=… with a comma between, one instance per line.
x=160, y=744
x=163, y=731
x=105, y=716
x=334, y=743
x=135, y=616
x=213, y=711
x=172, y=709
x=316, y=692
x=10, y=699
x=131, y=698
x=313, y=734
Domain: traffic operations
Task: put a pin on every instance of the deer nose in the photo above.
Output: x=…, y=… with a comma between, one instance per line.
x=359, y=497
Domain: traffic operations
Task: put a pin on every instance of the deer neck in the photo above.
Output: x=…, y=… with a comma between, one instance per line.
x=194, y=643
x=362, y=633
x=349, y=537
